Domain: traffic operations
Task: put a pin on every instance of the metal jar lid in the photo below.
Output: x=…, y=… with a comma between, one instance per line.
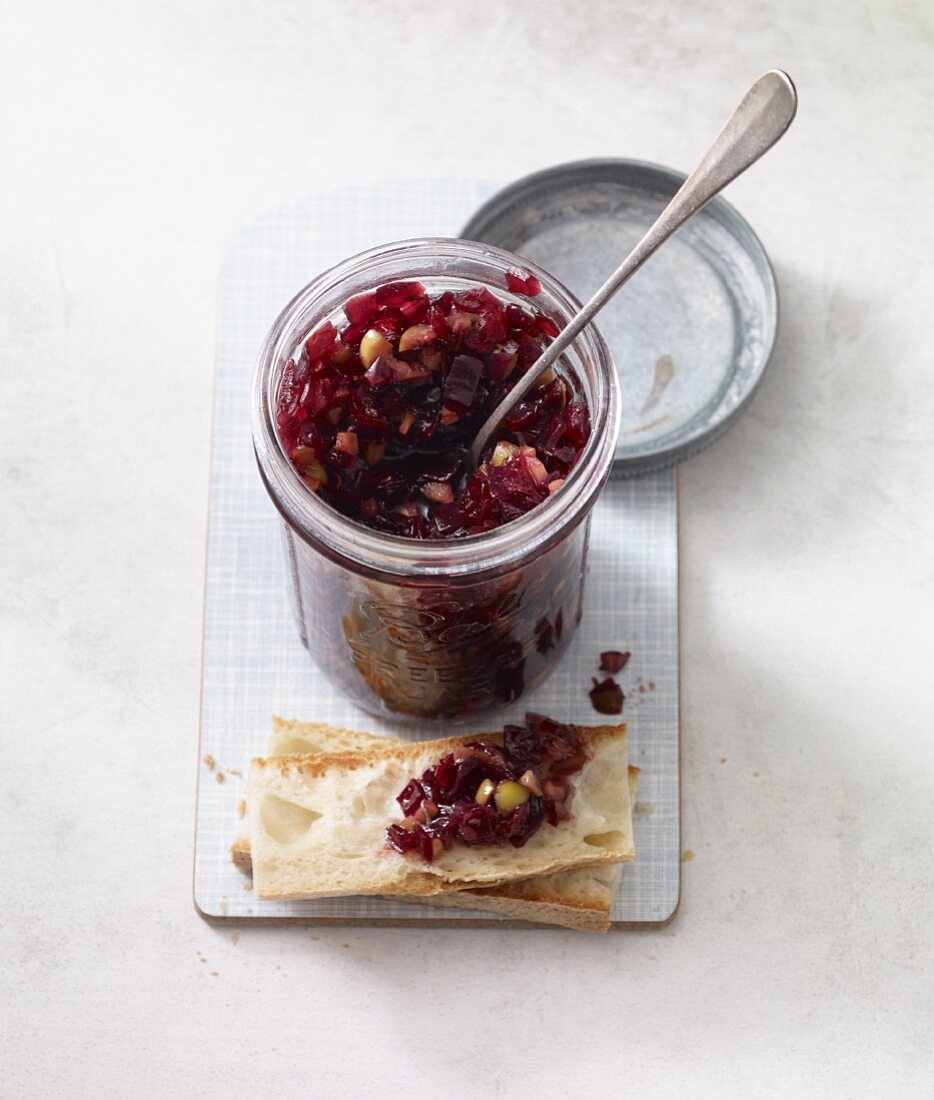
x=692, y=332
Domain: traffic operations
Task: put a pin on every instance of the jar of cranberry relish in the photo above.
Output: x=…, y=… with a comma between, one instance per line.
x=430, y=627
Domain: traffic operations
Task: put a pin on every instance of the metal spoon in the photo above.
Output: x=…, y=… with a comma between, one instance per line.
x=757, y=123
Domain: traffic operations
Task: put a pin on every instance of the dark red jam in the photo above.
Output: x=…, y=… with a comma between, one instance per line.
x=607, y=696
x=378, y=415
x=487, y=794
x=612, y=660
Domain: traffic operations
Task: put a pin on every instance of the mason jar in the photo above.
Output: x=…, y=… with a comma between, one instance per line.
x=435, y=629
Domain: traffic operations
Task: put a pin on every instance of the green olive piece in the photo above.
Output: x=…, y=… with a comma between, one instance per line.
x=372, y=346
x=509, y=795
x=503, y=452
x=484, y=792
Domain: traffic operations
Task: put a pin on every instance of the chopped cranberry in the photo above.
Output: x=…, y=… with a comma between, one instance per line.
x=321, y=341
x=379, y=373
x=394, y=295
x=373, y=437
x=460, y=386
x=614, y=661
x=390, y=323
x=578, y=423
x=502, y=360
x=415, y=310
x=289, y=394
x=607, y=696
x=520, y=281
x=362, y=309
x=489, y=331
x=411, y=797
x=351, y=335
x=477, y=299
x=436, y=316
x=484, y=793
x=518, y=320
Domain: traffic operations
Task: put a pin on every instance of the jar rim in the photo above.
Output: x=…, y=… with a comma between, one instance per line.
x=348, y=541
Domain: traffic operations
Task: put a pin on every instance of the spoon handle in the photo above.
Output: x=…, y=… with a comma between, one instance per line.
x=757, y=123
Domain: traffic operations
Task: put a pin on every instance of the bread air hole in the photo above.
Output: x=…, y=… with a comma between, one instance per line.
x=612, y=839
x=285, y=821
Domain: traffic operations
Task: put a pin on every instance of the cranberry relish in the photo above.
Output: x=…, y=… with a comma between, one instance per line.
x=485, y=794
x=378, y=415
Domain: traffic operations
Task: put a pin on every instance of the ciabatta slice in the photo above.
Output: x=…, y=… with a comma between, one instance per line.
x=579, y=898
x=318, y=823
x=290, y=737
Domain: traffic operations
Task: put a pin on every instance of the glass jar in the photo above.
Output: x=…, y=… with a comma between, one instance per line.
x=446, y=628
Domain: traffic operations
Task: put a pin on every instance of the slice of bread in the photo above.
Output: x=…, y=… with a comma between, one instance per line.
x=579, y=898
x=318, y=822
x=289, y=737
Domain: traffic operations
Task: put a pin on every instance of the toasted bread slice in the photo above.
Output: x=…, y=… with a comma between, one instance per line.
x=579, y=898
x=317, y=822
x=291, y=738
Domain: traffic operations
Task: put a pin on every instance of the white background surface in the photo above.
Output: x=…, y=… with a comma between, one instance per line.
x=133, y=138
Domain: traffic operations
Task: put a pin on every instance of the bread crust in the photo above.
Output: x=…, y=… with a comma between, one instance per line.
x=317, y=764
x=578, y=897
